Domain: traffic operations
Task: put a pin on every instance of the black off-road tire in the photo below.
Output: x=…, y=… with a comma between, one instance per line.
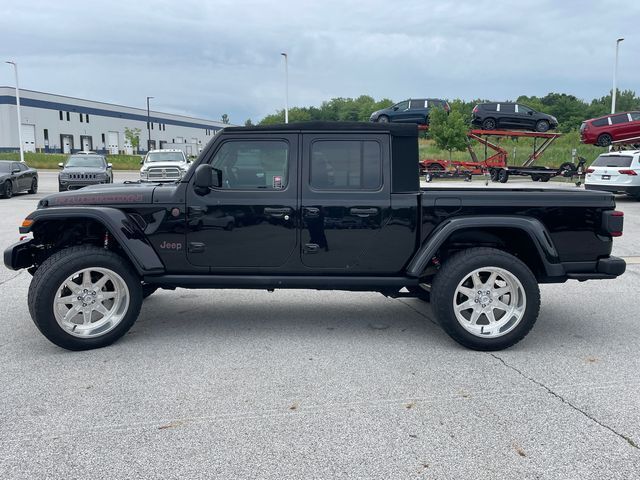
x=460, y=265
x=55, y=270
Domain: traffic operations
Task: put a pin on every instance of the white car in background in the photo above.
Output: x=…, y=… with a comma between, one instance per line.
x=164, y=166
x=617, y=172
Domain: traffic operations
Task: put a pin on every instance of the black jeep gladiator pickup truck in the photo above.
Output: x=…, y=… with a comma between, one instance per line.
x=335, y=206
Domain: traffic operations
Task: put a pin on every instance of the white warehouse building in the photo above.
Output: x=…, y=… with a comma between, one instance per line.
x=59, y=124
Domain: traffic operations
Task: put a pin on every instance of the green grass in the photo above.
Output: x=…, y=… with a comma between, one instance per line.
x=51, y=160
x=558, y=153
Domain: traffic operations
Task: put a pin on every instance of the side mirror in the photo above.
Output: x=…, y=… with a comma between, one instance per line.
x=15, y=170
x=109, y=165
x=530, y=112
x=61, y=165
x=395, y=109
x=141, y=162
x=207, y=177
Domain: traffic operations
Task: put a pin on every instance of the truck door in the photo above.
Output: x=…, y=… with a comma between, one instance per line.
x=250, y=220
x=345, y=200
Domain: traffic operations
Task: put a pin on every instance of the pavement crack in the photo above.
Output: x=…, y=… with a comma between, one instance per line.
x=12, y=278
x=627, y=439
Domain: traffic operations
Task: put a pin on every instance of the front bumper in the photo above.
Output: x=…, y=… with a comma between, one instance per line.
x=628, y=189
x=20, y=255
x=71, y=185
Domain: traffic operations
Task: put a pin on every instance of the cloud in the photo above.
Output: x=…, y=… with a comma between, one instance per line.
x=210, y=58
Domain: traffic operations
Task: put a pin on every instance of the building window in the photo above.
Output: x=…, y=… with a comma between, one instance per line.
x=86, y=117
x=68, y=117
x=103, y=138
x=60, y=112
x=46, y=135
x=151, y=125
x=80, y=117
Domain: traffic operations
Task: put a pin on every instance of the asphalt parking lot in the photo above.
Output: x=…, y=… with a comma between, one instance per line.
x=304, y=384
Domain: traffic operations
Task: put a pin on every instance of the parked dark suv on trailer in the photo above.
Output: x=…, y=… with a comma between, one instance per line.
x=81, y=170
x=509, y=115
x=415, y=110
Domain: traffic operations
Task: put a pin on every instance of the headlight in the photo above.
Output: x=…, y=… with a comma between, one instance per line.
x=101, y=176
x=144, y=174
x=64, y=176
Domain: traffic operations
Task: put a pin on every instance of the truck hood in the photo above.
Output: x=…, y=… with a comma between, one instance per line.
x=149, y=165
x=105, y=194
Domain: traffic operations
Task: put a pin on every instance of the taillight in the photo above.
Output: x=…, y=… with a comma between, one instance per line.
x=612, y=222
x=475, y=109
x=591, y=170
x=627, y=172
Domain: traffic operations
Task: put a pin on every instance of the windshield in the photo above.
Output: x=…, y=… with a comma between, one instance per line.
x=612, y=161
x=165, y=157
x=5, y=167
x=85, y=161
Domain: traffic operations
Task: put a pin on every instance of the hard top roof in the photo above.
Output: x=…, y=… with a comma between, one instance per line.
x=398, y=130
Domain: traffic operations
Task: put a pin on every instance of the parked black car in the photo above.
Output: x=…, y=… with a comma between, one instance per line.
x=509, y=115
x=328, y=206
x=81, y=170
x=17, y=177
x=415, y=110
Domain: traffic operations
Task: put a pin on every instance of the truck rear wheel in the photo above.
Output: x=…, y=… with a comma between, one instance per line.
x=84, y=297
x=485, y=299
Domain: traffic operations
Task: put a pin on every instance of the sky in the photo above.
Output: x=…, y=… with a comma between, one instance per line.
x=206, y=58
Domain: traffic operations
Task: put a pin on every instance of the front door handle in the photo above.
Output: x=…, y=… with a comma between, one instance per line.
x=363, y=212
x=311, y=248
x=277, y=212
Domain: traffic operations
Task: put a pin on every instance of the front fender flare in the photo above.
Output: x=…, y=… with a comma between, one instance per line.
x=536, y=231
x=125, y=231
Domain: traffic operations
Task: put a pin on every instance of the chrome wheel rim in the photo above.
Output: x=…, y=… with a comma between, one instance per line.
x=489, y=302
x=91, y=302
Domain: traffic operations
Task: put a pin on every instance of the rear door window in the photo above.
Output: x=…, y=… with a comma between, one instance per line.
x=492, y=107
x=612, y=161
x=635, y=116
x=507, y=108
x=617, y=119
x=418, y=105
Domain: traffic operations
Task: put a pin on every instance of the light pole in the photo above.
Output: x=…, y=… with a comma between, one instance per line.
x=615, y=74
x=15, y=69
x=286, y=87
x=148, y=125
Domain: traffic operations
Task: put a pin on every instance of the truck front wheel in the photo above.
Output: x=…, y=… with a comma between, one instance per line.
x=485, y=299
x=84, y=297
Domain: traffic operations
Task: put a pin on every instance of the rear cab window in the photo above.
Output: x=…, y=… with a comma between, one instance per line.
x=346, y=165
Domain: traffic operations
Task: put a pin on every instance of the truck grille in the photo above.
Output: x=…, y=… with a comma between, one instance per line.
x=156, y=173
x=82, y=176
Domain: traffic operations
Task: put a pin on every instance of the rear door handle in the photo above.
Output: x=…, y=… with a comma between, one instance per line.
x=277, y=212
x=363, y=212
x=311, y=248
x=311, y=212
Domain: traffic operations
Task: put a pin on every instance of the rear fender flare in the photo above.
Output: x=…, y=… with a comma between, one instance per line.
x=536, y=231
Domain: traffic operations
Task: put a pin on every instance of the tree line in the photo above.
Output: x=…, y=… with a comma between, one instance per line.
x=568, y=109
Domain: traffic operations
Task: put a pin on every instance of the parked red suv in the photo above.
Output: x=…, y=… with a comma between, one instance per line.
x=604, y=130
